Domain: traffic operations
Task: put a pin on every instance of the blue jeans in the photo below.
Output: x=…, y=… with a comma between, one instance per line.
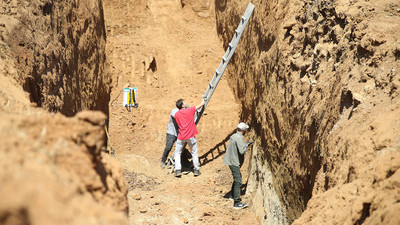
x=170, y=140
x=192, y=142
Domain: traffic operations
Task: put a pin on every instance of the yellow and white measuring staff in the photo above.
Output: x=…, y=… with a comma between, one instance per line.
x=130, y=100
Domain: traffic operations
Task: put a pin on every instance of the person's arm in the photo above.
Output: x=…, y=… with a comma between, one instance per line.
x=242, y=146
x=201, y=104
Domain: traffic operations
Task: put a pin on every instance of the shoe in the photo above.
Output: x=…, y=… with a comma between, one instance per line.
x=162, y=165
x=239, y=205
x=196, y=173
x=230, y=198
x=178, y=173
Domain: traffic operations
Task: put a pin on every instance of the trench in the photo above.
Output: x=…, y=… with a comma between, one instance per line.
x=282, y=167
x=309, y=77
x=281, y=104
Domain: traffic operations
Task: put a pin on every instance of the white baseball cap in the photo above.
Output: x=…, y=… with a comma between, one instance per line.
x=242, y=126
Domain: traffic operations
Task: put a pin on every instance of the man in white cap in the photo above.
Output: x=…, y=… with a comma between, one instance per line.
x=234, y=158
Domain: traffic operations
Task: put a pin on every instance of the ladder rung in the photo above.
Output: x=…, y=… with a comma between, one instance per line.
x=227, y=56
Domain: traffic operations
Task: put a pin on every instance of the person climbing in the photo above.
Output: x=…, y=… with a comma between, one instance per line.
x=172, y=133
x=187, y=132
x=234, y=158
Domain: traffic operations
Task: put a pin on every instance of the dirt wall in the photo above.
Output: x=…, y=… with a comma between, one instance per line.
x=52, y=168
x=315, y=80
x=59, y=49
x=53, y=171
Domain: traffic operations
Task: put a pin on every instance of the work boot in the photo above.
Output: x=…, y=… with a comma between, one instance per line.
x=162, y=165
x=239, y=205
x=178, y=173
x=196, y=173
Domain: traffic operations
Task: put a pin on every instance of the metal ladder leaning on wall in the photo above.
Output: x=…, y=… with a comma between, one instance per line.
x=225, y=60
x=220, y=70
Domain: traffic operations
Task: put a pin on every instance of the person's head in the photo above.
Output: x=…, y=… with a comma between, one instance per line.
x=180, y=104
x=242, y=127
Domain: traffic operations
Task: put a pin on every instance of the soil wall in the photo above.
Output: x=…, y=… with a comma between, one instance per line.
x=318, y=84
x=52, y=168
x=59, y=49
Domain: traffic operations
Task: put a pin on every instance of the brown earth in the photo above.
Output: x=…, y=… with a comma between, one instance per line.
x=317, y=81
x=170, y=50
x=52, y=170
x=59, y=49
x=321, y=81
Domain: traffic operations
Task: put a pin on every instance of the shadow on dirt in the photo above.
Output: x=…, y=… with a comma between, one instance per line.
x=215, y=152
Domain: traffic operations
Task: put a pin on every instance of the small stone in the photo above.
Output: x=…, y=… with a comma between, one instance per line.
x=137, y=197
x=143, y=210
x=185, y=221
x=199, y=72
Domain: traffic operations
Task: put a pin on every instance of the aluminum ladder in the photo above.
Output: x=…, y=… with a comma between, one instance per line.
x=225, y=60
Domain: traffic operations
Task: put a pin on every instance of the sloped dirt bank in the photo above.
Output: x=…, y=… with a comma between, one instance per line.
x=59, y=47
x=52, y=170
x=318, y=82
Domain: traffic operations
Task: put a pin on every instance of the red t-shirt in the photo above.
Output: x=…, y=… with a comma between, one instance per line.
x=185, y=120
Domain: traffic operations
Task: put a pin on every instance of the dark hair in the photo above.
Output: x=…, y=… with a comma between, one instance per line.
x=179, y=103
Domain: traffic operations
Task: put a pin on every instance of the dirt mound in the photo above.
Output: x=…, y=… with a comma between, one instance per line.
x=318, y=82
x=52, y=170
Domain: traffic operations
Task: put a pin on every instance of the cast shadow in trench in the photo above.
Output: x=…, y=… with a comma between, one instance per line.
x=217, y=151
x=229, y=194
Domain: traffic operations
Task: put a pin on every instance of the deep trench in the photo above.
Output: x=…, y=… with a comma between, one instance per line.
x=290, y=137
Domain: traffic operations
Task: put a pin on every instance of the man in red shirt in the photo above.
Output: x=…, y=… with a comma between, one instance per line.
x=187, y=132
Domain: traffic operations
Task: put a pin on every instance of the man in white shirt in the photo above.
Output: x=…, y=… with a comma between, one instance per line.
x=172, y=134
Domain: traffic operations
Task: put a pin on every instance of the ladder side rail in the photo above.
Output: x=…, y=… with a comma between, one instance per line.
x=231, y=49
x=235, y=41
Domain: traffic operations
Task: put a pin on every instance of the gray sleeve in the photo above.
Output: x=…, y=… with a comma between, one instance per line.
x=242, y=146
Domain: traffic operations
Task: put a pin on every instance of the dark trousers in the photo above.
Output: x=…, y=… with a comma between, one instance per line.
x=168, y=146
x=237, y=183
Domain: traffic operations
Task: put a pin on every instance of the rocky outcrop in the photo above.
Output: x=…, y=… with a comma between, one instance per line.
x=59, y=49
x=316, y=80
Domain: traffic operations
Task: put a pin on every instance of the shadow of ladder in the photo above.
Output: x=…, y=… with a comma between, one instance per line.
x=220, y=70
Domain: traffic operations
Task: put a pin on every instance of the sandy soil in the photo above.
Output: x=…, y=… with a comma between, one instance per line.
x=169, y=52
